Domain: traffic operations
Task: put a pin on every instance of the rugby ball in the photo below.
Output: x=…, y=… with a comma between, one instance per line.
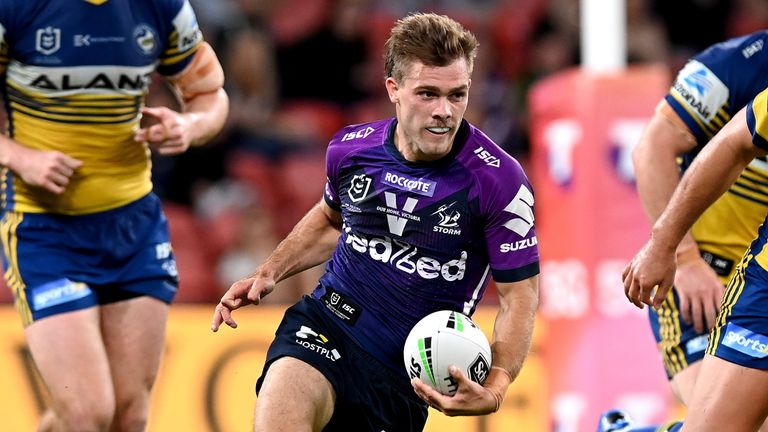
x=445, y=338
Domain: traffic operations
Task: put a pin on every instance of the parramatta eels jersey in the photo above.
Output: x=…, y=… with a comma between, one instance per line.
x=757, y=120
x=76, y=75
x=708, y=91
x=420, y=237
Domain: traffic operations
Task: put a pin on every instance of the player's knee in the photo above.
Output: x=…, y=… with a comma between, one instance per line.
x=85, y=416
x=132, y=421
x=131, y=414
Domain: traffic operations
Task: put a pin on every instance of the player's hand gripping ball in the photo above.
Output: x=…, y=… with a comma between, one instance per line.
x=445, y=338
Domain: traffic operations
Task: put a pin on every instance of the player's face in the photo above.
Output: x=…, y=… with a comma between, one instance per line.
x=430, y=104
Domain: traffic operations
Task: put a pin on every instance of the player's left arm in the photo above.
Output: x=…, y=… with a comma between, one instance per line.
x=512, y=334
x=205, y=106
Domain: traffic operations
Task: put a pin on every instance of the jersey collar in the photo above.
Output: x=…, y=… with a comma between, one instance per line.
x=458, y=143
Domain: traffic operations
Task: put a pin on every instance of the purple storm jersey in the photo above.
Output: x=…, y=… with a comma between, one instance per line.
x=420, y=237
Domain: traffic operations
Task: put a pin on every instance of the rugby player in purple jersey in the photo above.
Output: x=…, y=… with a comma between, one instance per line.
x=420, y=211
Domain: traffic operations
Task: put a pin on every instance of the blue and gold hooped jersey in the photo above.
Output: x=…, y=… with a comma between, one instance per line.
x=76, y=75
x=708, y=91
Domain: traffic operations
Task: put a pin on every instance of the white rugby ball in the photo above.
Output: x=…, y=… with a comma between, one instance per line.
x=445, y=338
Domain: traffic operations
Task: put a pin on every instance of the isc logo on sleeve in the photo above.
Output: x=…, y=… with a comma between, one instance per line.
x=361, y=133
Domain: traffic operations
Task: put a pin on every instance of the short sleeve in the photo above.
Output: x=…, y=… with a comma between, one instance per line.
x=510, y=231
x=697, y=96
x=183, y=39
x=331, y=193
x=757, y=119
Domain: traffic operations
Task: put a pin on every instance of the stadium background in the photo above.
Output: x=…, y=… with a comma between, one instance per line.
x=299, y=69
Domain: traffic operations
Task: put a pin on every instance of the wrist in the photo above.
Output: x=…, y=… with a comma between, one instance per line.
x=687, y=255
x=199, y=135
x=264, y=272
x=497, y=383
x=6, y=152
x=662, y=240
x=687, y=251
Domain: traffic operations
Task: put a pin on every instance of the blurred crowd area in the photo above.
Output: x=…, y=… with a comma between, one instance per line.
x=298, y=70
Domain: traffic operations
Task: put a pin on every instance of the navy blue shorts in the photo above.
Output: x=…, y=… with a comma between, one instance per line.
x=679, y=343
x=369, y=395
x=740, y=334
x=57, y=263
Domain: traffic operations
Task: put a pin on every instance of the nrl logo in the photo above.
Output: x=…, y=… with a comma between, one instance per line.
x=335, y=297
x=48, y=40
x=358, y=187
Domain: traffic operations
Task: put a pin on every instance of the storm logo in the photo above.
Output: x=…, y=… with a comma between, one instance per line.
x=448, y=218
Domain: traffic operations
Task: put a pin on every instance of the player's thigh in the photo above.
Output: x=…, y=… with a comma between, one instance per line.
x=293, y=397
x=684, y=381
x=731, y=390
x=134, y=336
x=68, y=351
x=728, y=397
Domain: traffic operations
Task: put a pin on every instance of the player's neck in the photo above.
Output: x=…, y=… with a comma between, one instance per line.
x=410, y=149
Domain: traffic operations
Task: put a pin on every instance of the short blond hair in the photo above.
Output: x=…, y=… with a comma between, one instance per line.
x=435, y=40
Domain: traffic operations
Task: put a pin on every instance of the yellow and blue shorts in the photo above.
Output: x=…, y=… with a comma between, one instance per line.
x=740, y=335
x=680, y=345
x=57, y=263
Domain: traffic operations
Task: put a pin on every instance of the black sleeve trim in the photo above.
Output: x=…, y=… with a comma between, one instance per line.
x=332, y=204
x=517, y=274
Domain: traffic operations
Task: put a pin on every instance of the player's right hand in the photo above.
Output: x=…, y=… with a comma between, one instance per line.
x=700, y=292
x=650, y=274
x=50, y=170
x=471, y=398
x=170, y=134
x=246, y=291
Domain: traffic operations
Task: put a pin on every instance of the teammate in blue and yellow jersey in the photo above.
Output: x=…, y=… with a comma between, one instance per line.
x=731, y=391
x=86, y=250
x=420, y=211
x=708, y=91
